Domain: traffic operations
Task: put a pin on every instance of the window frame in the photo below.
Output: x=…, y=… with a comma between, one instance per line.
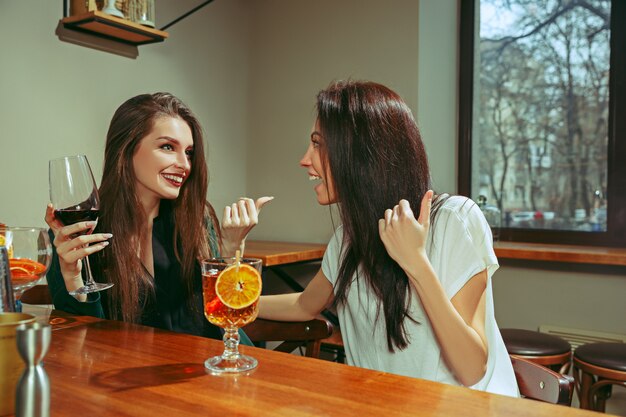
x=616, y=158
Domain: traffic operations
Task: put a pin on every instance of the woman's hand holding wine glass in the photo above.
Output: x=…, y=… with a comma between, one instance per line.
x=73, y=243
x=72, y=217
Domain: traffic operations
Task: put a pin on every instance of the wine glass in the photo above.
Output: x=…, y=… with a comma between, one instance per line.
x=230, y=319
x=74, y=194
x=30, y=254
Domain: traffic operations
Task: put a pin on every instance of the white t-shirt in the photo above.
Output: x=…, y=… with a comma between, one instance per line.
x=459, y=246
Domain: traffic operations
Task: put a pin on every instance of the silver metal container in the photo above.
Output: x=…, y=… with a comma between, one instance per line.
x=32, y=394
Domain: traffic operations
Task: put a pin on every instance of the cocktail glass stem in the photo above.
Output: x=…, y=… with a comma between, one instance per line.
x=17, y=295
x=230, y=360
x=231, y=344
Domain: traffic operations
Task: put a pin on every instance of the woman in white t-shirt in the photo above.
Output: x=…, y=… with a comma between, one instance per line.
x=409, y=273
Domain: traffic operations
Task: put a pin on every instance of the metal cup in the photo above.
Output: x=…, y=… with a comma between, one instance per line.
x=32, y=395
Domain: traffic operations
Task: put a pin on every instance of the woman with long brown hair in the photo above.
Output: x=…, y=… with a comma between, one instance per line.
x=411, y=283
x=155, y=223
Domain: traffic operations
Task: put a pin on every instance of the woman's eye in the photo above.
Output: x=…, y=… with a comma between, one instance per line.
x=189, y=153
x=316, y=144
x=167, y=147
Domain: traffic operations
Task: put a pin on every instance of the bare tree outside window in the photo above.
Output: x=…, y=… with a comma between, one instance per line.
x=541, y=115
x=540, y=111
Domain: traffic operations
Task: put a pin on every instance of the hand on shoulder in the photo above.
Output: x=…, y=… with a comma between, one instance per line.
x=404, y=236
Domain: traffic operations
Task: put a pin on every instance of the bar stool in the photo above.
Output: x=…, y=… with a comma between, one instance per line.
x=544, y=349
x=597, y=367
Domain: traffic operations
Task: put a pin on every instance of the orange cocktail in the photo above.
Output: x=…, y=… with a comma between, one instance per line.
x=25, y=271
x=218, y=313
x=231, y=288
x=30, y=254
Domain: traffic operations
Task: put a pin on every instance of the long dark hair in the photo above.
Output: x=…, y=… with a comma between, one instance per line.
x=122, y=214
x=376, y=157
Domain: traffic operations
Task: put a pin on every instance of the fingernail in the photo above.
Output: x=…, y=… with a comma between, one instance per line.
x=105, y=243
x=108, y=235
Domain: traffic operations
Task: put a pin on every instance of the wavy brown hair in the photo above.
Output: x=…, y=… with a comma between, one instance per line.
x=122, y=214
x=373, y=148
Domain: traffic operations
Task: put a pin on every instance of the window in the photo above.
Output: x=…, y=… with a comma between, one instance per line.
x=542, y=117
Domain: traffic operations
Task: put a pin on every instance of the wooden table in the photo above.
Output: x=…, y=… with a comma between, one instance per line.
x=57, y=319
x=109, y=368
x=283, y=253
x=276, y=255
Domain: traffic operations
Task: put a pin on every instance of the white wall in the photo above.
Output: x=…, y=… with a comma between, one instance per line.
x=298, y=48
x=437, y=87
x=575, y=296
x=57, y=98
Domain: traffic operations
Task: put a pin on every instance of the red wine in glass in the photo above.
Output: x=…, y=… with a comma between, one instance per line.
x=71, y=215
x=74, y=194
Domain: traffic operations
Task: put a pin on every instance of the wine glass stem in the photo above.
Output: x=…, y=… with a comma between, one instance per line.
x=88, y=277
x=231, y=343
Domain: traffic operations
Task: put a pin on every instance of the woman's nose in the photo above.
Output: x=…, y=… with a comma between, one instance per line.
x=183, y=161
x=306, y=158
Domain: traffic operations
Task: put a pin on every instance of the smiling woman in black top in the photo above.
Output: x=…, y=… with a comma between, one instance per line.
x=155, y=223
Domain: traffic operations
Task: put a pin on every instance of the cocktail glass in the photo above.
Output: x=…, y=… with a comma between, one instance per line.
x=30, y=255
x=230, y=319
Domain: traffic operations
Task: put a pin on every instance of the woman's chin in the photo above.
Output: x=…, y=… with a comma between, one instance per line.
x=323, y=201
x=170, y=196
x=323, y=197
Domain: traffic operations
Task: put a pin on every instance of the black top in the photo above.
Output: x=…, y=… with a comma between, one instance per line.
x=167, y=307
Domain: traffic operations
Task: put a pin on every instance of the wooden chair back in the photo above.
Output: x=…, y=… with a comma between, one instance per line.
x=540, y=383
x=38, y=295
x=334, y=346
x=293, y=334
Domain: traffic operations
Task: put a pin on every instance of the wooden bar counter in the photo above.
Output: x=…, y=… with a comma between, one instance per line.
x=108, y=368
x=561, y=253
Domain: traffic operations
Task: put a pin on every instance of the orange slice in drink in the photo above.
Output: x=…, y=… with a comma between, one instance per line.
x=25, y=267
x=238, y=287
